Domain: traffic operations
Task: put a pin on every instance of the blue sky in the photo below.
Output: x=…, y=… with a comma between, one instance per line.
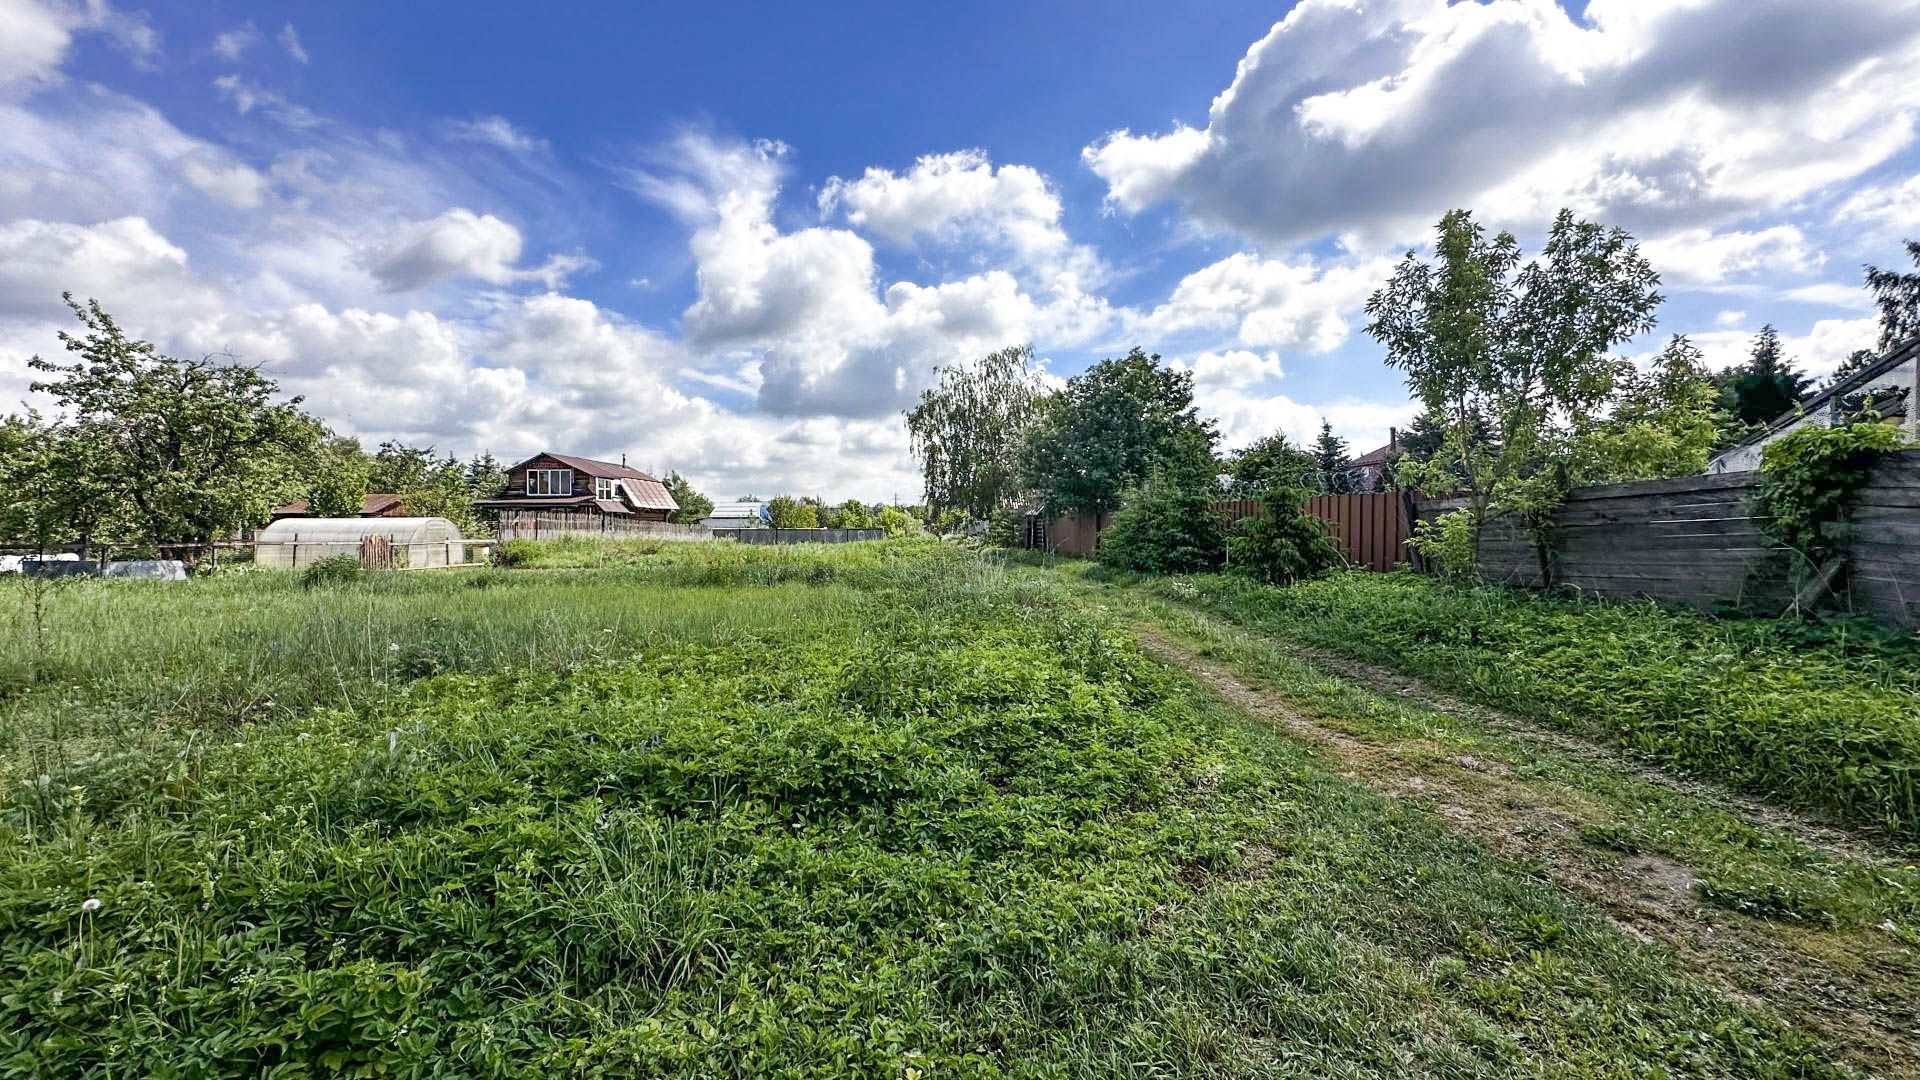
x=736, y=242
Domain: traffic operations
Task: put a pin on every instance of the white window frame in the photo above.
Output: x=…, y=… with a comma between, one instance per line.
x=546, y=482
x=604, y=488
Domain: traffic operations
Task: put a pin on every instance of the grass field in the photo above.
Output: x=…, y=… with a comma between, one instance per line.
x=1827, y=722
x=711, y=810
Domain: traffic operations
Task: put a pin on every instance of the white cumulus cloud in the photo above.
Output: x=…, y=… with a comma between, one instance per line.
x=1375, y=117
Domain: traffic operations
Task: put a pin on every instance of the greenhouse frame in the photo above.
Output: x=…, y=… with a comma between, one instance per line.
x=418, y=542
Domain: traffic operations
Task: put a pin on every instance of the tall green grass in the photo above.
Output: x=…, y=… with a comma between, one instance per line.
x=118, y=663
x=855, y=813
x=1830, y=724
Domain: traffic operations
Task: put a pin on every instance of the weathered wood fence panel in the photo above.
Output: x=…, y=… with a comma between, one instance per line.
x=801, y=536
x=1884, y=575
x=1696, y=540
x=548, y=524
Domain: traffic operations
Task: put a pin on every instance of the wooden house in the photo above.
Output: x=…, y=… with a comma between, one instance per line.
x=376, y=504
x=581, y=487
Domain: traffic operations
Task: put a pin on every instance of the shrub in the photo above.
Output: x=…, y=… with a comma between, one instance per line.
x=1448, y=541
x=515, y=553
x=331, y=571
x=1005, y=527
x=1283, y=545
x=951, y=521
x=1165, y=527
x=787, y=512
x=1811, y=477
x=897, y=522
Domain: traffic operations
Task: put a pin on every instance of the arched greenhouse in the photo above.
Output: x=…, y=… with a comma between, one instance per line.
x=417, y=541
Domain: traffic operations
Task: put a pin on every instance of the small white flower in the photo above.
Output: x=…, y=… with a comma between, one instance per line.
x=91, y=904
x=393, y=646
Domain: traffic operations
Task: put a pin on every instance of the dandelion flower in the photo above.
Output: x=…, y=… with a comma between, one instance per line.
x=91, y=904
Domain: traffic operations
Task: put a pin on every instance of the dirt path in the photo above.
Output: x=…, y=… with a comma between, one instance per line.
x=1854, y=990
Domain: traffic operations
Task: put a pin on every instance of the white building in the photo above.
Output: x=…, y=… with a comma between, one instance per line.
x=737, y=515
x=1889, y=386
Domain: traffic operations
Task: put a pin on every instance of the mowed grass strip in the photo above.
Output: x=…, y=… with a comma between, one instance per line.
x=1831, y=724
x=956, y=825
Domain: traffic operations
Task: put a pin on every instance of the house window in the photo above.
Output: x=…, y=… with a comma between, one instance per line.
x=604, y=488
x=549, y=481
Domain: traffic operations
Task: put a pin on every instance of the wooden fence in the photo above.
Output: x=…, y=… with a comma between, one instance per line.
x=1696, y=540
x=1371, y=528
x=801, y=536
x=548, y=524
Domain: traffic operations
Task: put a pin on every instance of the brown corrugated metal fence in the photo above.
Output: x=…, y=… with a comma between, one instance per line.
x=1371, y=528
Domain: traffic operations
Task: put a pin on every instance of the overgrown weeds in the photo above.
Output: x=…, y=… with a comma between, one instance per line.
x=925, y=819
x=1827, y=722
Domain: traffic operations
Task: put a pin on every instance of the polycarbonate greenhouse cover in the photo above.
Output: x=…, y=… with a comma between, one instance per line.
x=408, y=530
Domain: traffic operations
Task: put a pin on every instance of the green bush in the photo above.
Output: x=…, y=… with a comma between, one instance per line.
x=1006, y=528
x=1448, y=543
x=1283, y=544
x=331, y=571
x=1811, y=478
x=1829, y=726
x=515, y=553
x=1164, y=527
x=898, y=523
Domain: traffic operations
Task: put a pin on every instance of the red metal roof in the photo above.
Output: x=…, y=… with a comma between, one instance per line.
x=374, y=504
x=590, y=466
x=1377, y=457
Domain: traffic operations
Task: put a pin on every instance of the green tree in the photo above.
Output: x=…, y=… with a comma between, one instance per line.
x=1166, y=526
x=852, y=514
x=1330, y=459
x=1855, y=361
x=441, y=491
x=1897, y=295
x=399, y=468
x=1663, y=422
x=897, y=522
x=337, y=479
x=693, y=505
x=787, y=512
x=191, y=449
x=1523, y=348
x=968, y=430
x=1268, y=462
x=56, y=485
x=1112, y=427
x=1283, y=544
x=1768, y=385
x=486, y=475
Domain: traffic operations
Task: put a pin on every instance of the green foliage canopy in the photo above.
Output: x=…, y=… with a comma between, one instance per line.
x=175, y=450
x=1283, y=544
x=693, y=505
x=1268, y=462
x=968, y=430
x=1811, y=478
x=787, y=512
x=1165, y=526
x=1488, y=342
x=1330, y=459
x=1111, y=428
